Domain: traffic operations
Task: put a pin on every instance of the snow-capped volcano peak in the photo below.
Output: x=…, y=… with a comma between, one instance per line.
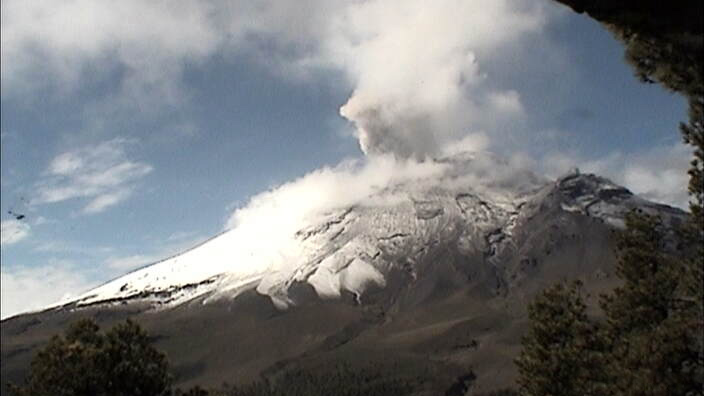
x=402, y=214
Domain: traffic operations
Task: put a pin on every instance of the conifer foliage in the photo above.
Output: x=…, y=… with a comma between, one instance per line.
x=650, y=334
x=652, y=339
x=646, y=341
x=556, y=357
x=88, y=362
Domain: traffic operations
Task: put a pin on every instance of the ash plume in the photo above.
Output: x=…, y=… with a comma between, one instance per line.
x=416, y=70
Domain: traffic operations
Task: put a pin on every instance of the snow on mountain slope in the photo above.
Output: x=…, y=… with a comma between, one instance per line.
x=472, y=201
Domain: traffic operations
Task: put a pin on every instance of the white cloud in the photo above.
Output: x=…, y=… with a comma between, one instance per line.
x=473, y=142
x=29, y=288
x=303, y=202
x=102, y=173
x=506, y=102
x=296, y=203
x=658, y=174
x=416, y=69
x=39, y=220
x=13, y=231
x=151, y=41
x=180, y=236
x=317, y=196
x=60, y=246
x=266, y=226
x=414, y=65
x=175, y=244
x=127, y=263
x=104, y=201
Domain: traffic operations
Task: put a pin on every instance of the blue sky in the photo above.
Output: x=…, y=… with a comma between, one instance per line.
x=133, y=130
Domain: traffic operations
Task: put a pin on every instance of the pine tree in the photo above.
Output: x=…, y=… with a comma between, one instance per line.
x=86, y=362
x=693, y=133
x=558, y=356
x=653, y=339
x=691, y=309
x=671, y=350
x=651, y=345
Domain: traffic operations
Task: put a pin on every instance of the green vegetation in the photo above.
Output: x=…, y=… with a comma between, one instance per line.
x=649, y=341
x=122, y=362
x=87, y=362
x=558, y=352
x=649, y=332
x=652, y=339
x=664, y=42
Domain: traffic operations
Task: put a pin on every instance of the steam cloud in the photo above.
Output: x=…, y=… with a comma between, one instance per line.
x=414, y=67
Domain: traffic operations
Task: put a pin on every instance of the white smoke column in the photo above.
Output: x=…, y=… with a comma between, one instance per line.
x=415, y=67
x=417, y=91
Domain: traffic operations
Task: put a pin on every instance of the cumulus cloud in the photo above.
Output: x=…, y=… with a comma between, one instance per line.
x=174, y=244
x=58, y=246
x=59, y=42
x=471, y=143
x=28, y=288
x=101, y=173
x=302, y=201
x=127, y=263
x=658, y=174
x=13, y=231
x=414, y=67
x=104, y=201
x=506, y=102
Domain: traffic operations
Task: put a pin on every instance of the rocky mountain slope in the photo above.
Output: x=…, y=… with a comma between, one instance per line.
x=428, y=276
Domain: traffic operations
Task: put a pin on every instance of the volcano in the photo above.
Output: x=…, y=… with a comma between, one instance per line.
x=428, y=275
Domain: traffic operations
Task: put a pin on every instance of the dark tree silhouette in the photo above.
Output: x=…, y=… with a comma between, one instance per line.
x=653, y=340
x=650, y=332
x=87, y=362
x=557, y=356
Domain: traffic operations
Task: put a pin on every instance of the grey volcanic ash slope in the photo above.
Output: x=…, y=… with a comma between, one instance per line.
x=431, y=271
